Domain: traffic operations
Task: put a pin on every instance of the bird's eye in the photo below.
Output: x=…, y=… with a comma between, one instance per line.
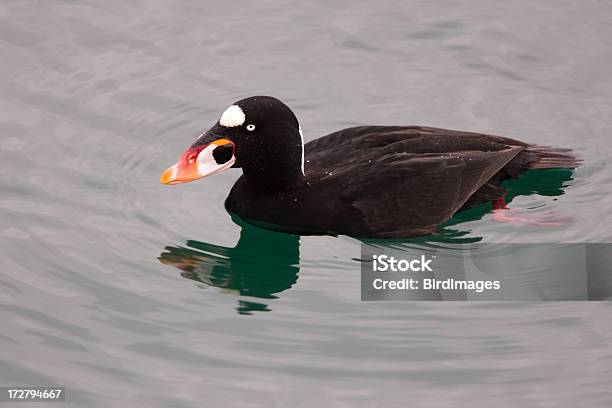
x=250, y=127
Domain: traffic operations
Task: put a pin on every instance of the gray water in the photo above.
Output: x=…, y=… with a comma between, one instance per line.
x=134, y=294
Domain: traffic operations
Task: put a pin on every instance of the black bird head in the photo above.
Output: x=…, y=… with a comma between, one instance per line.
x=259, y=134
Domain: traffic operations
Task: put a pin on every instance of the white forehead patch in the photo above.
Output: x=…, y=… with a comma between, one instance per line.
x=232, y=117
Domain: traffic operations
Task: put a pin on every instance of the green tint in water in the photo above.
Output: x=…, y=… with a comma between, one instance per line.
x=265, y=263
x=262, y=264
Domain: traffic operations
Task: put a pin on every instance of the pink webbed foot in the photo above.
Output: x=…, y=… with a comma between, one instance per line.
x=501, y=213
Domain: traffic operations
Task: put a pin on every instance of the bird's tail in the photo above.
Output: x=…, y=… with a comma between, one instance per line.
x=546, y=157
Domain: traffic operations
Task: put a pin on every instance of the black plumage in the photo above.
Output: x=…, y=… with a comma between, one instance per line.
x=367, y=181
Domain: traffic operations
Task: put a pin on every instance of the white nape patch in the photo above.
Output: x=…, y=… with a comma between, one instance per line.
x=302, y=136
x=232, y=117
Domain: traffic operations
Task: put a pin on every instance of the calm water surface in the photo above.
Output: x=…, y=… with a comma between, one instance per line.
x=130, y=293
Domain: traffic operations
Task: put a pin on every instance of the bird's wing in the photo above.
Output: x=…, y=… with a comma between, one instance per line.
x=357, y=143
x=401, y=194
x=404, y=180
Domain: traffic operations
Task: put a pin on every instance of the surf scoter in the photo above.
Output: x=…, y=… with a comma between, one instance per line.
x=365, y=181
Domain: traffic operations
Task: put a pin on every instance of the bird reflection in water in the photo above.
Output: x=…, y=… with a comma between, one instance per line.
x=261, y=265
x=265, y=263
x=547, y=183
